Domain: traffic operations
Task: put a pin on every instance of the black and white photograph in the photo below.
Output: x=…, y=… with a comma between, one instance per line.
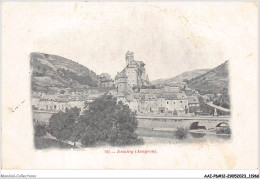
x=75, y=107
x=130, y=85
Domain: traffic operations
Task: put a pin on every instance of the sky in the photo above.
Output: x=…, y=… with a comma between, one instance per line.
x=170, y=38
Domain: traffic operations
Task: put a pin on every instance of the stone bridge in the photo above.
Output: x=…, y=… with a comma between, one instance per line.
x=182, y=121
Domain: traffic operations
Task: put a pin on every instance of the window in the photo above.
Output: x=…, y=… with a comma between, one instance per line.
x=167, y=102
x=181, y=101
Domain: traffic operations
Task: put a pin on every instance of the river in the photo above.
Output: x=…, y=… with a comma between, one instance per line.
x=163, y=131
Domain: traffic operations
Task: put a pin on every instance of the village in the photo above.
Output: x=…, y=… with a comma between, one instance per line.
x=132, y=87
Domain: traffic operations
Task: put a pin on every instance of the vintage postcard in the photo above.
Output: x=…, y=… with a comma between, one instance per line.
x=129, y=85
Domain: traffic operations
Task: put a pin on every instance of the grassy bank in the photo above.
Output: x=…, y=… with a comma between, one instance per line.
x=44, y=143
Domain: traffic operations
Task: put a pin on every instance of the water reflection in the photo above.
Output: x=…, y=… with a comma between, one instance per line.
x=197, y=135
x=224, y=136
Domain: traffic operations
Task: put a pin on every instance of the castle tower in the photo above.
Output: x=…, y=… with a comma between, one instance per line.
x=132, y=77
x=132, y=56
x=121, y=82
x=127, y=58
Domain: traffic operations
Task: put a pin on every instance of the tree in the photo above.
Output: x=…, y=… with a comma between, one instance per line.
x=62, y=91
x=204, y=108
x=152, y=86
x=193, y=109
x=186, y=81
x=225, y=105
x=62, y=124
x=108, y=121
x=39, y=130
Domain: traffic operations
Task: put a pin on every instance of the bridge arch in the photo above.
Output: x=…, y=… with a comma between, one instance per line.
x=194, y=125
x=223, y=128
x=222, y=124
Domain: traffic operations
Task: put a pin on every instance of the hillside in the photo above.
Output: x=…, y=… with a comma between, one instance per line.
x=213, y=81
x=52, y=72
x=179, y=78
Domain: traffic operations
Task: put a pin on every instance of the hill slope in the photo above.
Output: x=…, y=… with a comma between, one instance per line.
x=50, y=72
x=179, y=78
x=215, y=80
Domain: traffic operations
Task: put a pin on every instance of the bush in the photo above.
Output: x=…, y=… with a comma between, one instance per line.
x=181, y=133
x=39, y=130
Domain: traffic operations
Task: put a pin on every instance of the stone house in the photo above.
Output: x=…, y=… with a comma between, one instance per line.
x=174, y=102
x=161, y=103
x=171, y=89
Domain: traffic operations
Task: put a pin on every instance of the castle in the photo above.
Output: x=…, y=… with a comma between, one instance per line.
x=132, y=76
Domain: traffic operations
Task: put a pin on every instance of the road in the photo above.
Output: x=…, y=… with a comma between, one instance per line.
x=218, y=107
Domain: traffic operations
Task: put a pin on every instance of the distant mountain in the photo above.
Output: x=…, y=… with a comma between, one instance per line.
x=179, y=78
x=52, y=72
x=213, y=81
